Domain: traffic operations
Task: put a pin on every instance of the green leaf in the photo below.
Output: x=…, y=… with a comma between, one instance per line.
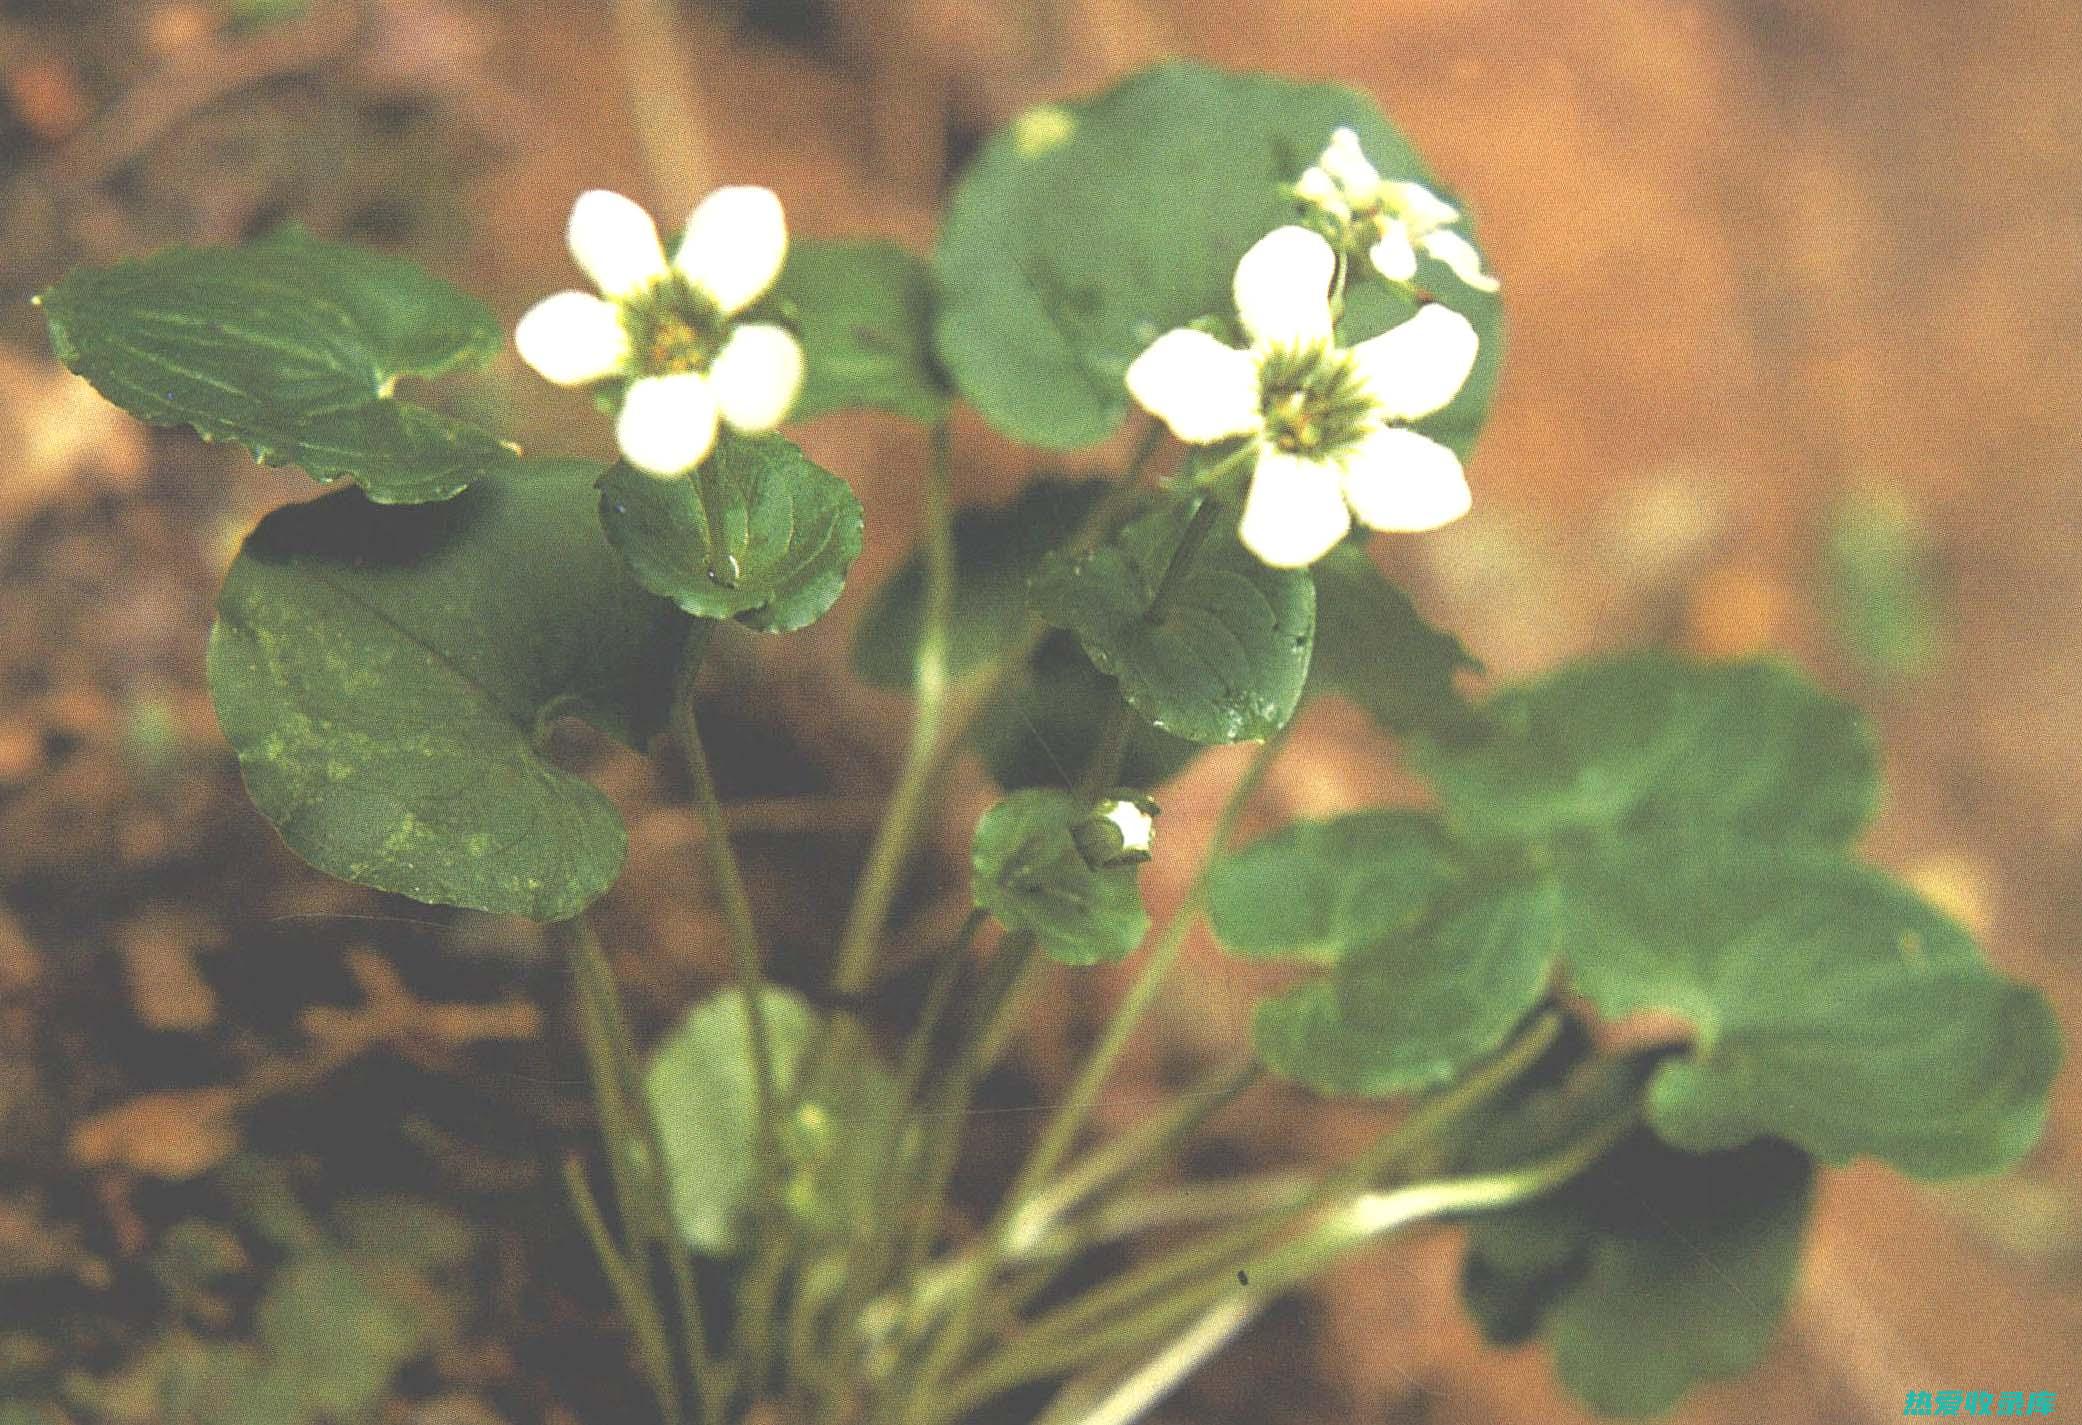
x=1420, y=1007
x=1832, y=1008
x=1027, y=871
x=996, y=550
x=700, y=1085
x=1224, y=660
x=864, y=313
x=292, y=348
x=1653, y=1272
x=1319, y=890
x=1372, y=646
x=1085, y=231
x=1048, y=726
x=386, y=675
x=1654, y=745
x=699, y=1082
x=755, y=532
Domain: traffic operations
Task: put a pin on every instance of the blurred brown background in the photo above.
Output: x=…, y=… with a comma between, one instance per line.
x=1795, y=303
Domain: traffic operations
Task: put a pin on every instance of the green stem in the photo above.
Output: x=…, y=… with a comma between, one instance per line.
x=900, y=826
x=636, y=1156
x=1161, y=1276
x=1068, y=1121
x=1345, y=1225
x=746, y=956
x=1010, y=971
x=631, y=1294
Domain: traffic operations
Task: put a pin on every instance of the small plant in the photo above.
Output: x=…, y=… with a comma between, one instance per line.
x=1263, y=278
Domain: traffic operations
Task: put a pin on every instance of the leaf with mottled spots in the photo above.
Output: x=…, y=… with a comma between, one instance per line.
x=386, y=676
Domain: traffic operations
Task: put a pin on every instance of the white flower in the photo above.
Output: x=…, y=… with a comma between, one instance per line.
x=1394, y=220
x=670, y=327
x=1328, y=424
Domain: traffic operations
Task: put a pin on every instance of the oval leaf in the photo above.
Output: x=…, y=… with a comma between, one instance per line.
x=1226, y=659
x=384, y=674
x=1027, y=871
x=291, y=347
x=1085, y=231
x=699, y=1082
x=864, y=313
x=756, y=532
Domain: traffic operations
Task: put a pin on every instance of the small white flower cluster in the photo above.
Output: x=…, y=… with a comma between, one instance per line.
x=1393, y=220
x=670, y=329
x=1329, y=425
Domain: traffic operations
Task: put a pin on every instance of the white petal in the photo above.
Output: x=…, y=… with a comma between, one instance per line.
x=667, y=424
x=1459, y=254
x=1295, y=512
x=1203, y=390
x=1396, y=479
x=1346, y=162
x=757, y=376
x=1416, y=368
x=1319, y=189
x=1283, y=288
x=573, y=338
x=1393, y=257
x=615, y=242
x=1424, y=209
x=737, y=239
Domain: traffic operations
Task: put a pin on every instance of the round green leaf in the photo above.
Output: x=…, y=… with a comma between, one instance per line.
x=1027, y=871
x=756, y=531
x=1085, y=231
x=864, y=313
x=1419, y=1008
x=292, y=348
x=699, y=1082
x=1654, y=745
x=1319, y=890
x=385, y=675
x=1833, y=1009
x=1226, y=658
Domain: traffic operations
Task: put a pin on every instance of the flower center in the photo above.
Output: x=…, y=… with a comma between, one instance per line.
x=1314, y=402
x=672, y=328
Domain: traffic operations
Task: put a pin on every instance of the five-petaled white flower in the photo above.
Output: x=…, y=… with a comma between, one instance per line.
x=669, y=328
x=1329, y=424
x=1393, y=220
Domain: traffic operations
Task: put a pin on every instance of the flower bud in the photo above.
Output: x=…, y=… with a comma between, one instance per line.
x=1119, y=832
